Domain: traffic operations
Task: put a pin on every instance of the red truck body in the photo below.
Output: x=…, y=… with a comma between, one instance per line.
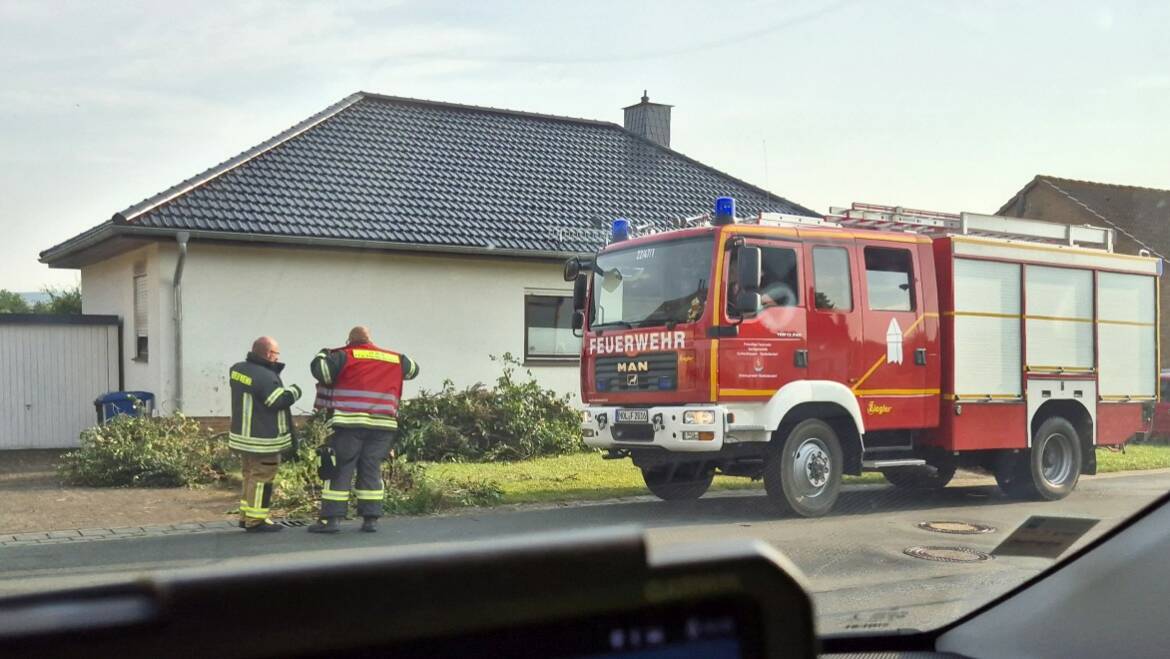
x=920, y=349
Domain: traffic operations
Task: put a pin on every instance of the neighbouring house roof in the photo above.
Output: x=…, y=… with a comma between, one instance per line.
x=1139, y=214
x=375, y=170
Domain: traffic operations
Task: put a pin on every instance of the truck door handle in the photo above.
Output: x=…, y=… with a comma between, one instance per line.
x=800, y=358
x=920, y=357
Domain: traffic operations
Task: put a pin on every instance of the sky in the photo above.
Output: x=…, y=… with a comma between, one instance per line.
x=942, y=105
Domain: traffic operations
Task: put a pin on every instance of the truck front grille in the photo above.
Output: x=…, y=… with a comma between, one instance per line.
x=647, y=372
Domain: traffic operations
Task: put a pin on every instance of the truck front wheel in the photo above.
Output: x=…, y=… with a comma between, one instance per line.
x=678, y=482
x=802, y=473
x=1049, y=470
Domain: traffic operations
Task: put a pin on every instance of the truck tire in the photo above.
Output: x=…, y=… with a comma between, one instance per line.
x=802, y=473
x=926, y=477
x=677, y=482
x=1049, y=470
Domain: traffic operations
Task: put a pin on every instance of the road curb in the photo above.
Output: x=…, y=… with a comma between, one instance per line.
x=70, y=536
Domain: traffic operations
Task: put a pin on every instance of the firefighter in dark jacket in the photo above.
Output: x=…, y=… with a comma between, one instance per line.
x=261, y=428
x=359, y=386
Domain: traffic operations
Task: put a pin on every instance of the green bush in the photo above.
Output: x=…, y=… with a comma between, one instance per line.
x=143, y=451
x=409, y=489
x=515, y=420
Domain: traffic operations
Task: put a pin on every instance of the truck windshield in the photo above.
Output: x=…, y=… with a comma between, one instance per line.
x=652, y=284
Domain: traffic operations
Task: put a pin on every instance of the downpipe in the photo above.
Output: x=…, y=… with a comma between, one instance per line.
x=182, y=238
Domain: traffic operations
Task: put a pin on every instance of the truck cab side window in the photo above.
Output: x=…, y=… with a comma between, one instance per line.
x=834, y=289
x=889, y=279
x=779, y=283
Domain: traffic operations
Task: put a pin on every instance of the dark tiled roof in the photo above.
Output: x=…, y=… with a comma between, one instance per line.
x=388, y=169
x=1140, y=214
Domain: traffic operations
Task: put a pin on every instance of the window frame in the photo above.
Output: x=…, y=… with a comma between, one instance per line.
x=848, y=277
x=912, y=277
x=141, y=344
x=763, y=244
x=542, y=359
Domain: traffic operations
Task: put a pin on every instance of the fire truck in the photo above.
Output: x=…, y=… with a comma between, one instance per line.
x=797, y=350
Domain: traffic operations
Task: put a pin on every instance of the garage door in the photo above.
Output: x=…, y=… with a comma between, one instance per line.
x=51, y=369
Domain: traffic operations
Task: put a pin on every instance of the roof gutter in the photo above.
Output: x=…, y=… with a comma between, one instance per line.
x=177, y=290
x=116, y=230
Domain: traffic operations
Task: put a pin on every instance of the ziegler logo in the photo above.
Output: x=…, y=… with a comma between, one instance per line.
x=633, y=367
x=875, y=409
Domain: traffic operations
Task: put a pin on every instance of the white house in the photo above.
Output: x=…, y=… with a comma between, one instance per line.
x=443, y=227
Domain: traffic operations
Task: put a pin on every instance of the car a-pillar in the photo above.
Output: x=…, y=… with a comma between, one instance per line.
x=1062, y=448
x=813, y=447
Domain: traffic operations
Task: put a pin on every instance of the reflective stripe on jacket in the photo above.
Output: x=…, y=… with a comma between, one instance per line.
x=261, y=419
x=361, y=385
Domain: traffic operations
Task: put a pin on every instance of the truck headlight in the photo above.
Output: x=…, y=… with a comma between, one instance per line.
x=586, y=417
x=699, y=417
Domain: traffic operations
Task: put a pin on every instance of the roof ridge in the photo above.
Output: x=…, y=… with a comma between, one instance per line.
x=485, y=108
x=1122, y=230
x=1099, y=183
x=150, y=203
x=579, y=120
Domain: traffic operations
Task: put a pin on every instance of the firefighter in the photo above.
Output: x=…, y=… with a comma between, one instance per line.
x=359, y=386
x=261, y=428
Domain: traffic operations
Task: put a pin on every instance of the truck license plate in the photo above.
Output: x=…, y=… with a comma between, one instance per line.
x=633, y=416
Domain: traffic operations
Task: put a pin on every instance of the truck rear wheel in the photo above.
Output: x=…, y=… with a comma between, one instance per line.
x=802, y=473
x=1049, y=470
x=926, y=477
x=679, y=482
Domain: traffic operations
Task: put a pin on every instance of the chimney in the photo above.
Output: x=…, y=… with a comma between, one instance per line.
x=650, y=120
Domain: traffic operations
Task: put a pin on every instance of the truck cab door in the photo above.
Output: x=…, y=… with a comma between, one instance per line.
x=768, y=349
x=891, y=373
x=835, y=331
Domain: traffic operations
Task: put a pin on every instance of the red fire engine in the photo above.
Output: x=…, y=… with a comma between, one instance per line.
x=797, y=350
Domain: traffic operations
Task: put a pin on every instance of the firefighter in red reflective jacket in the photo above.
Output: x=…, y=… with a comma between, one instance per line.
x=359, y=386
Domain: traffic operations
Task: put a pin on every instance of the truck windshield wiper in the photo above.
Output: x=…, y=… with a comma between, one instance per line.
x=614, y=323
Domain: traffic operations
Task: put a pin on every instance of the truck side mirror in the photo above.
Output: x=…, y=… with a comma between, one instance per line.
x=750, y=271
x=576, y=266
x=578, y=323
x=579, y=292
x=572, y=268
x=747, y=303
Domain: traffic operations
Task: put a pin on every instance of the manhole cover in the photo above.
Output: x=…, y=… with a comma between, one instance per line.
x=961, y=528
x=947, y=554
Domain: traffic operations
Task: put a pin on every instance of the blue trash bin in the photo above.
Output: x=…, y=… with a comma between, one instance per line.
x=123, y=402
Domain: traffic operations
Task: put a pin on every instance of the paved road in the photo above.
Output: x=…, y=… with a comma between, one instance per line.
x=853, y=558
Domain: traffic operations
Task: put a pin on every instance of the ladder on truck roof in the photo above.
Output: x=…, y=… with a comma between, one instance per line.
x=896, y=218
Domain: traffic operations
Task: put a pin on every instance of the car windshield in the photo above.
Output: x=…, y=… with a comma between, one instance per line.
x=357, y=269
x=652, y=284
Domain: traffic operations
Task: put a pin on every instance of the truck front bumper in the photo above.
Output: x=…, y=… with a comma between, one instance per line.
x=664, y=428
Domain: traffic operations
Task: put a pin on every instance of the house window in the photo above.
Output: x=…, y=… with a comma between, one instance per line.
x=889, y=279
x=141, y=319
x=548, y=329
x=834, y=289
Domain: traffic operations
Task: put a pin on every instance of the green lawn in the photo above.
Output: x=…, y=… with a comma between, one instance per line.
x=587, y=476
x=574, y=478
x=1135, y=458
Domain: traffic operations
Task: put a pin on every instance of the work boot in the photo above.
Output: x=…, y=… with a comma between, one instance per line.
x=326, y=525
x=370, y=524
x=266, y=527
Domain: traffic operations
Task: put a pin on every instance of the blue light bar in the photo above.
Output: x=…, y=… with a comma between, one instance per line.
x=621, y=230
x=724, y=210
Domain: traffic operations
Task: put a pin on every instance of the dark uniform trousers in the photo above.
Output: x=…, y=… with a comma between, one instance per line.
x=359, y=450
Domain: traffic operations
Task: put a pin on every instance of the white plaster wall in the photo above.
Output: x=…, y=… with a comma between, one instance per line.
x=447, y=312
x=107, y=287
